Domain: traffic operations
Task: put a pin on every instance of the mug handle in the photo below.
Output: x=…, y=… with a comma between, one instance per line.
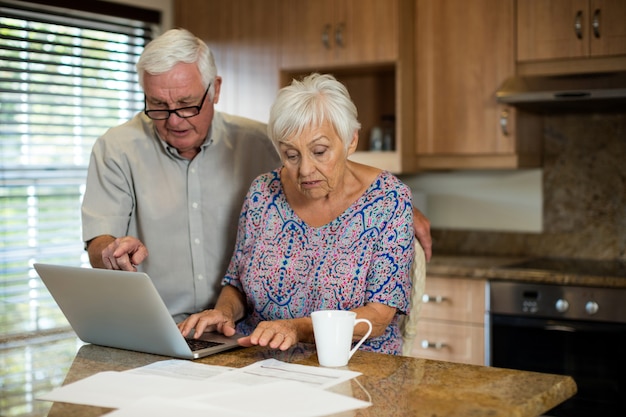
x=360, y=342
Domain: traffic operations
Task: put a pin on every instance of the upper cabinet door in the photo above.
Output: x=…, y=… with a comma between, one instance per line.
x=557, y=29
x=551, y=29
x=307, y=32
x=327, y=33
x=608, y=27
x=464, y=50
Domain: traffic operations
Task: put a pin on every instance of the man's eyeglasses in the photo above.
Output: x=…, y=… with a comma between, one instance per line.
x=184, y=112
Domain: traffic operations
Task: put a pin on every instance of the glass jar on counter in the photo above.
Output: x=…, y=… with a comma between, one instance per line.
x=383, y=137
x=376, y=139
x=388, y=127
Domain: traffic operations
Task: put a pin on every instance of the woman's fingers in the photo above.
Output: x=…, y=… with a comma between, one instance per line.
x=277, y=335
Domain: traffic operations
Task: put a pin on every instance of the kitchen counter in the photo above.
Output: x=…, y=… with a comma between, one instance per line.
x=396, y=385
x=498, y=268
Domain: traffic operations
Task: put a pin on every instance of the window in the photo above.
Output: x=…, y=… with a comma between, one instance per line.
x=65, y=77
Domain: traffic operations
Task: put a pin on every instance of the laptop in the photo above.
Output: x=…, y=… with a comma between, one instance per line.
x=123, y=309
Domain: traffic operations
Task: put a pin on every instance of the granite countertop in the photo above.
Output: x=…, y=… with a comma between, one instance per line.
x=498, y=268
x=396, y=385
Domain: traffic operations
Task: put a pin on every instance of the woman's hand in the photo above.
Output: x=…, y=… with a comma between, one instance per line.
x=277, y=334
x=229, y=308
x=208, y=320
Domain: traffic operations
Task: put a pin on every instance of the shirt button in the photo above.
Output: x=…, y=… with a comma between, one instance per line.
x=197, y=241
x=194, y=205
x=193, y=170
x=200, y=277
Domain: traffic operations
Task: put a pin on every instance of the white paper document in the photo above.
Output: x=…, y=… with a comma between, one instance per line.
x=179, y=368
x=118, y=389
x=277, y=399
x=272, y=370
x=164, y=407
x=268, y=387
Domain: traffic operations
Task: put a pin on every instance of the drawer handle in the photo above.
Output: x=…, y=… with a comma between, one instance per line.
x=430, y=345
x=436, y=299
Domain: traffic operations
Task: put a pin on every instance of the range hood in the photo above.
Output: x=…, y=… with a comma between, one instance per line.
x=573, y=92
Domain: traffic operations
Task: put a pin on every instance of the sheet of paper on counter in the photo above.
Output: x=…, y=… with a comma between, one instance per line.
x=276, y=399
x=179, y=368
x=118, y=389
x=185, y=386
x=271, y=370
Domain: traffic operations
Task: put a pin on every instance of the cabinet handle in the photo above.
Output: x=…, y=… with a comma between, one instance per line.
x=436, y=299
x=595, y=23
x=504, y=122
x=326, y=36
x=339, y=35
x=430, y=345
x=578, y=24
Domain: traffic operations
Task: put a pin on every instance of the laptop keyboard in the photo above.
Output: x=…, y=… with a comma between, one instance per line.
x=197, y=344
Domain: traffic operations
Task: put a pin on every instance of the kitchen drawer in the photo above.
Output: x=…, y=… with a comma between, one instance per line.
x=452, y=342
x=454, y=299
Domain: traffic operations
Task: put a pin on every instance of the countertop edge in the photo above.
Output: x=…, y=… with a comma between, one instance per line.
x=498, y=268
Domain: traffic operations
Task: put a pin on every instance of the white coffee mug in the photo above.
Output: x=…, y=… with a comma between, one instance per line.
x=333, y=331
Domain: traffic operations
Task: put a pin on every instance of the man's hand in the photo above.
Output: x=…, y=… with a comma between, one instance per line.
x=123, y=253
x=421, y=224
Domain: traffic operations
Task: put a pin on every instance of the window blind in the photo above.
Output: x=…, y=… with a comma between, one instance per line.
x=65, y=77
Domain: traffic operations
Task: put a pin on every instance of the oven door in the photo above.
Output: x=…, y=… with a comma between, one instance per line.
x=594, y=354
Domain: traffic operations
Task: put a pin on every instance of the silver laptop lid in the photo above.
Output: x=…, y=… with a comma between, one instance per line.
x=118, y=309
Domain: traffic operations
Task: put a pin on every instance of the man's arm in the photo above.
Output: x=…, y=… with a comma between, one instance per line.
x=421, y=224
x=95, y=247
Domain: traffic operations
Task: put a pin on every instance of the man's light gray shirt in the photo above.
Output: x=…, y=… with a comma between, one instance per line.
x=185, y=212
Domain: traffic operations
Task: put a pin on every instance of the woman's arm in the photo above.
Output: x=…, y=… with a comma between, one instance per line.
x=282, y=334
x=380, y=315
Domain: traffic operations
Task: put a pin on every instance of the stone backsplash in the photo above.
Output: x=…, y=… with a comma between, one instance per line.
x=584, y=188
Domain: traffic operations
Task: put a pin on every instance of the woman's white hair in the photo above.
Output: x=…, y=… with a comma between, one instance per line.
x=310, y=102
x=173, y=47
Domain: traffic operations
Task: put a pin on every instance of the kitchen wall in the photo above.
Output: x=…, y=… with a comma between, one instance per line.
x=584, y=196
x=504, y=200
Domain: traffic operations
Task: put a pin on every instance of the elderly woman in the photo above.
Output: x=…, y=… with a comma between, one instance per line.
x=321, y=232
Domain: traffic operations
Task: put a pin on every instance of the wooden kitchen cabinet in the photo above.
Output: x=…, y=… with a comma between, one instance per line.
x=376, y=63
x=464, y=51
x=244, y=36
x=326, y=33
x=562, y=29
x=452, y=321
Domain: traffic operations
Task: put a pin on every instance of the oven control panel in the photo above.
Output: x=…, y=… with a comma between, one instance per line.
x=558, y=301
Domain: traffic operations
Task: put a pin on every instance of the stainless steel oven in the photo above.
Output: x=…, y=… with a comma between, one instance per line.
x=562, y=329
